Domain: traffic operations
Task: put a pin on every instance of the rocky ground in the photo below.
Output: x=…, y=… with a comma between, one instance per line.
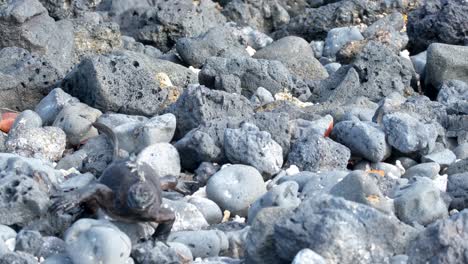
x=305, y=131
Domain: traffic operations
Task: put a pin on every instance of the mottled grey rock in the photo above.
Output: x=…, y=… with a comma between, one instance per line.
x=24, y=120
x=389, y=31
x=203, y=243
x=188, y=217
x=17, y=257
x=24, y=78
x=420, y=202
x=454, y=95
x=332, y=67
x=29, y=241
x=159, y=129
x=317, y=224
x=51, y=105
x=338, y=37
x=296, y=54
x=163, y=158
x=438, y=21
x=162, y=23
x=92, y=241
x=26, y=24
x=206, y=105
x=261, y=97
x=158, y=253
x=444, y=157
x=61, y=9
x=129, y=43
x=315, y=23
x=235, y=188
x=127, y=82
x=446, y=62
x=301, y=128
x=235, y=75
x=52, y=246
x=216, y=42
x=366, y=140
x=457, y=188
x=263, y=15
x=461, y=151
x=407, y=134
x=47, y=143
x=208, y=208
x=76, y=120
x=58, y=259
x=429, y=170
x=315, y=152
x=442, y=242
x=307, y=256
x=260, y=243
x=282, y=195
x=361, y=187
x=277, y=124
x=22, y=199
x=94, y=35
x=382, y=72
x=250, y=146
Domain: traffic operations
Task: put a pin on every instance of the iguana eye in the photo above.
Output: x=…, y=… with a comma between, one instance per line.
x=140, y=196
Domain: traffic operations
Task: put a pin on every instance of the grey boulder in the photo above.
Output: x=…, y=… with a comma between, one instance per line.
x=366, y=140
x=250, y=146
x=235, y=188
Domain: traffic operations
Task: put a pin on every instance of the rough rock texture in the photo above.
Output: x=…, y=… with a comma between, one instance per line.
x=316, y=152
x=161, y=23
x=24, y=78
x=245, y=75
x=126, y=82
x=296, y=54
x=216, y=42
x=363, y=139
x=442, y=242
x=314, y=23
x=198, y=105
x=318, y=224
x=441, y=21
x=248, y=145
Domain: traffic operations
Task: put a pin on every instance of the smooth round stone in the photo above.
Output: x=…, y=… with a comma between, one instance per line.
x=203, y=243
x=461, y=151
x=208, y=208
x=159, y=129
x=26, y=119
x=49, y=107
x=92, y=241
x=76, y=119
x=163, y=158
x=7, y=233
x=235, y=188
x=308, y=256
x=52, y=246
x=444, y=157
x=428, y=169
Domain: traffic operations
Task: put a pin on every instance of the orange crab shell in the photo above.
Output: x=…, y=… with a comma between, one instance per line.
x=7, y=120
